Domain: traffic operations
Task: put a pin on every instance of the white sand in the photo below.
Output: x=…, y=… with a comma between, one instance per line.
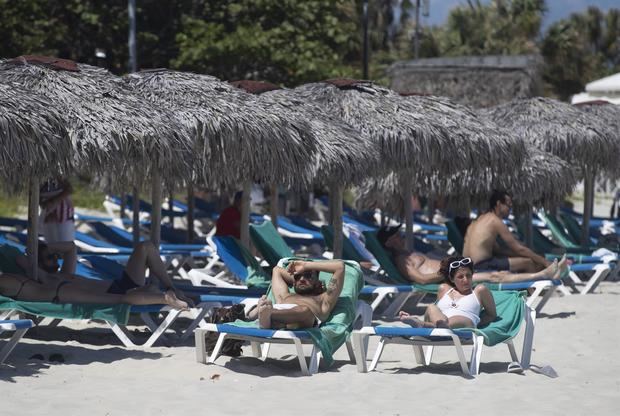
x=577, y=335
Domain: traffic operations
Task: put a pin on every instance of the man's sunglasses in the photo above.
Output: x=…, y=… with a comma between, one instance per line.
x=456, y=264
x=307, y=276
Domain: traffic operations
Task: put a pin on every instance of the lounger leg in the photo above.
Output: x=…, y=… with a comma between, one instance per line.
x=428, y=354
x=11, y=344
x=512, y=350
x=360, y=348
x=543, y=300
x=173, y=314
x=461, y=354
x=418, y=351
x=201, y=345
x=122, y=334
x=256, y=349
x=315, y=358
x=301, y=357
x=350, y=350
x=217, y=349
x=528, y=338
x=476, y=355
x=375, y=359
x=600, y=273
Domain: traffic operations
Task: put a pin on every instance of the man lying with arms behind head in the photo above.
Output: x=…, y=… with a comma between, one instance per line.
x=310, y=304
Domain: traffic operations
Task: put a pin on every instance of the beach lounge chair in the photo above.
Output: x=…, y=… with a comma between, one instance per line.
x=325, y=339
x=512, y=312
x=19, y=327
x=269, y=242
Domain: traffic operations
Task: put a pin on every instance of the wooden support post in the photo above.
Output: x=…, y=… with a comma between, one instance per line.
x=190, y=213
x=405, y=180
x=588, y=205
x=335, y=196
x=156, y=203
x=245, y=214
x=136, y=216
x=273, y=204
x=33, y=227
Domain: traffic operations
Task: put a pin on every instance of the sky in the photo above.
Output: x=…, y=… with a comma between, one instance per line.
x=557, y=9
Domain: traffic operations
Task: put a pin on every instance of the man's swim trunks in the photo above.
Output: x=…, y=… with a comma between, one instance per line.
x=494, y=263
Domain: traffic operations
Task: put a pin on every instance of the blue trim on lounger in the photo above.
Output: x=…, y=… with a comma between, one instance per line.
x=222, y=298
x=583, y=267
x=393, y=331
x=401, y=288
x=257, y=332
x=524, y=285
x=18, y=323
x=232, y=257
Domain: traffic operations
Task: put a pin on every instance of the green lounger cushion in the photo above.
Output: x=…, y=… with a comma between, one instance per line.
x=269, y=242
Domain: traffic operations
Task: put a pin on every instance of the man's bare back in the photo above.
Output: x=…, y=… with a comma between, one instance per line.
x=481, y=237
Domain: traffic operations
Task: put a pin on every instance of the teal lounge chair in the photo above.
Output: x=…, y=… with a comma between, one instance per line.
x=512, y=311
x=326, y=339
x=269, y=242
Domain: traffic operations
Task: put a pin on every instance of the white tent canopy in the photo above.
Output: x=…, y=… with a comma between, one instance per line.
x=607, y=89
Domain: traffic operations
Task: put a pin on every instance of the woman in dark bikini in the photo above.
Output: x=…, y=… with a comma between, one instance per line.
x=20, y=287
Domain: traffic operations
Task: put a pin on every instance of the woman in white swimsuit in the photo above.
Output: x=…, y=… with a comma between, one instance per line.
x=459, y=303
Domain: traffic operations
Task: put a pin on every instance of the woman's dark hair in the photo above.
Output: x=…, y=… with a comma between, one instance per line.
x=444, y=268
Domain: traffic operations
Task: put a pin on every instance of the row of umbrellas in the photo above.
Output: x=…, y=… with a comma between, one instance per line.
x=179, y=128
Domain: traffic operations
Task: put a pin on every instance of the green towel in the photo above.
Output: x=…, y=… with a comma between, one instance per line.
x=510, y=313
x=118, y=313
x=335, y=331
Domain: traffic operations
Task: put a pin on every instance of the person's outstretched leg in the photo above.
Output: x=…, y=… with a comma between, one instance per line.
x=146, y=256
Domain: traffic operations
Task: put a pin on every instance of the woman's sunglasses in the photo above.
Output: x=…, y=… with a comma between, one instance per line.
x=456, y=264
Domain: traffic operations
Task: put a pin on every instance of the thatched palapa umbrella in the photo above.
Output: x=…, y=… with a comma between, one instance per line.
x=542, y=180
x=559, y=128
x=344, y=155
x=235, y=139
x=110, y=127
x=34, y=144
x=410, y=140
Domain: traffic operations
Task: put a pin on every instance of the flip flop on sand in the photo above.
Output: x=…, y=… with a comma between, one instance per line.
x=515, y=368
x=545, y=370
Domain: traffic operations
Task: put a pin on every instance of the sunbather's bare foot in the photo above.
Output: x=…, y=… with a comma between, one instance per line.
x=550, y=271
x=265, y=307
x=562, y=266
x=172, y=300
x=410, y=320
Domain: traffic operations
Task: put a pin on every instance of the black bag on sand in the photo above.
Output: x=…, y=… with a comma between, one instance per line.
x=231, y=347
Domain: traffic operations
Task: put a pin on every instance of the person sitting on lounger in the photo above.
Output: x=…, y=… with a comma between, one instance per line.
x=424, y=270
x=144, y=256
x=459, y=303
x=310, y=304
x=481, y=241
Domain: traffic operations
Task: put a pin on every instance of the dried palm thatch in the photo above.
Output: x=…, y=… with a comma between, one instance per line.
x=235, y=139
x=610, y=114
x=111, y=128
x=561, y=129
x=33, y=139
x=344, y=154
x=408, y=138
x=542, y=180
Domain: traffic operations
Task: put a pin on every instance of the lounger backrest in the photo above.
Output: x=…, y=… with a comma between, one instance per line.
x=241, y=262
x=557, y=230
x=572, y=226
x=348, y=249
x=113, y=234
x=373, y=245
x=454, y=236
x=269, y=242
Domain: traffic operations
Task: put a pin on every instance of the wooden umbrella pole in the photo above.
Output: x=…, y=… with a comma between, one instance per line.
x=529, y=231
x=33, y=226
x=136, y=216
x=171, y=209
x=245, y=214
x=335, y=195
x=407, y=195
x=156, y=207
x=190, y=213
x=588, y=204
x=121, y=214
x=273, y=204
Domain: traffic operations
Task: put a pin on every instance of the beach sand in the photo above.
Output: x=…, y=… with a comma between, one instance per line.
x=577, y=335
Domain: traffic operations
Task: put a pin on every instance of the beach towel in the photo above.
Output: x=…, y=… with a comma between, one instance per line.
x=256, y=276
x=118, y=313
x=510, y=315
x=334, y=332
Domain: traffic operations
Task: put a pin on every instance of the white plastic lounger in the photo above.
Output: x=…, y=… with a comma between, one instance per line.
x=261, y=339
x=20, y=326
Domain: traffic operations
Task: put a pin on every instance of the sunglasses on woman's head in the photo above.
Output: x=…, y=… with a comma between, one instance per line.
x=458, y=263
